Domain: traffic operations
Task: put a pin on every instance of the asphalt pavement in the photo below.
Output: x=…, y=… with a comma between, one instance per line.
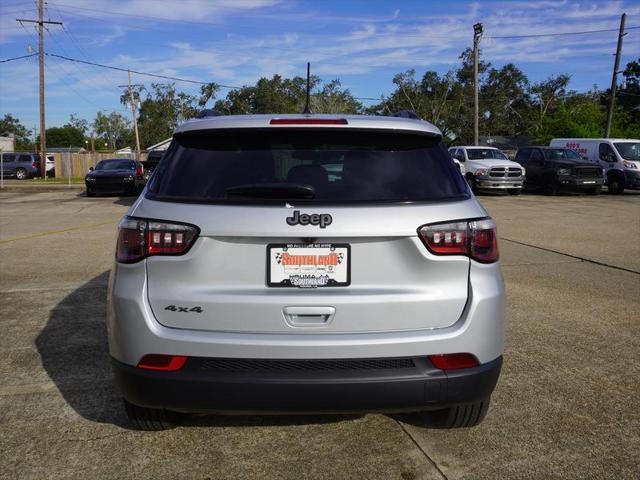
x=566, y=406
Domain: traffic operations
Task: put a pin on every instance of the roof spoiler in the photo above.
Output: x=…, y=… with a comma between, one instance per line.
x=407, y=114
x=209, y=112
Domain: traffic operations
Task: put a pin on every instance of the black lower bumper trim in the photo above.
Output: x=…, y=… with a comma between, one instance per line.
x=423, y=388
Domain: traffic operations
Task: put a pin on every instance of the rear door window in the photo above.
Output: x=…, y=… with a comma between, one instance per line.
x=339, y=167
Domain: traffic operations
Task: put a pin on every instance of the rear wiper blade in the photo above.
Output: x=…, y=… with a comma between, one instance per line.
x=273, y=190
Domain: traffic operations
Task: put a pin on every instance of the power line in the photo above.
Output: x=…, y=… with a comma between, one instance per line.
x=137, y=72
x=18, y=58
x=560, y=34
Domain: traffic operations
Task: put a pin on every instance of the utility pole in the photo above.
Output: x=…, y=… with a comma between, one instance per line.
x=477, y=33
x=133, y=112
x=41, y=23
x=614, y=77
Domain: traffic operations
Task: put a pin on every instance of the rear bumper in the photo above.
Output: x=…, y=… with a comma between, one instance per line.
x=196, y=390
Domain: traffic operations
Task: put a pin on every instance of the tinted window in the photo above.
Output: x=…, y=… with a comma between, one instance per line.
x=485, y=153
x=115, y=165
x=24, y=158
x=523, y=155
x=536, y=156
x=562, y=154
x=8, y=157
x=340, y=166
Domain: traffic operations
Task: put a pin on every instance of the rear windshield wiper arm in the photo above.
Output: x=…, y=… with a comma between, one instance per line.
x=273, y=190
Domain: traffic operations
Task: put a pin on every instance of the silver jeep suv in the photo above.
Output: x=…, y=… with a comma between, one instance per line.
x=306, y=263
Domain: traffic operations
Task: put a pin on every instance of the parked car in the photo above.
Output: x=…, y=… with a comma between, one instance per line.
x=116, y=175
x=150, y=164
x=306, y=263
x=551, y=169
x=460, y=165
x=619, y=157
x=488, y=168
x=22, y=165
x=51, y=165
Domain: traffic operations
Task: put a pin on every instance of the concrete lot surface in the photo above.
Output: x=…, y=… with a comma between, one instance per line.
x=566, y=406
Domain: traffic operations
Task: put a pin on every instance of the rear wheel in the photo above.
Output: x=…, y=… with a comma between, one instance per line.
x=21, y=174
x=458, y=416
x=462, y=416
x=151, y=419
x=514, y=191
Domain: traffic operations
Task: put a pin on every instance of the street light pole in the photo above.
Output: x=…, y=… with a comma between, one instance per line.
x=477, y=33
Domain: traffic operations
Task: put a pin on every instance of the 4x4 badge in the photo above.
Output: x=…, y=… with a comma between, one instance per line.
x=322, y=219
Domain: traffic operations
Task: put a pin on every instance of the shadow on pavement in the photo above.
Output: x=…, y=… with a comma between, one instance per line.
x=74, y=352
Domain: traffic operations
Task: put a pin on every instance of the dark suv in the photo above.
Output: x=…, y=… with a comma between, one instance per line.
x=551, y=169
x=21, y=165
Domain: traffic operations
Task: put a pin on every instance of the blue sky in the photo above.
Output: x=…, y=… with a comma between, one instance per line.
x=234, y=42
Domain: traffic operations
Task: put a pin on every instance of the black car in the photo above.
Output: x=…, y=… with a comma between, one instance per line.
x=551, y=169
x=117, y=175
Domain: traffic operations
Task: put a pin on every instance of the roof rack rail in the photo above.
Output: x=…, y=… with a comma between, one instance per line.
x=407, y=114
x=209, y=112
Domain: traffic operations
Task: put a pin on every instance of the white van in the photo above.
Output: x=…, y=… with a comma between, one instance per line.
x=620, y=158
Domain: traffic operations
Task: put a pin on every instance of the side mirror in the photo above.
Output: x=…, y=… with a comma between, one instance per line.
x=91, y=169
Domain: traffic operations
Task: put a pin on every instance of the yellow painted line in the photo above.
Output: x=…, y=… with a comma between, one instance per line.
x=64, y=230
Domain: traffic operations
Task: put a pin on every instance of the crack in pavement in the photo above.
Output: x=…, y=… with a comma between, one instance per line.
x=426, y=455
x=584, y=259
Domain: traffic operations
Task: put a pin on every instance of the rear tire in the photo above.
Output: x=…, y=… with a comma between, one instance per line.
x=21, y=174
x=594, y=191
x=462, y=416
x=149, y=419
x=514, y=191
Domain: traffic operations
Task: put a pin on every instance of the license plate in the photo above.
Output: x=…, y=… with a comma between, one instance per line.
x=308, y=266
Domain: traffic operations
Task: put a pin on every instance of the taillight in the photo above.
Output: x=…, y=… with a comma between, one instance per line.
x=139, y=171
x=476, y=239
x=168, y=363
x=139, y=238
x=309, y=121
x=453, y=361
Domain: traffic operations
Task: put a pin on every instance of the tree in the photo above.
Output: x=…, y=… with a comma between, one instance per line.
x=207, y=92
x=11, y=125
x=333, y=99
x=505, y=99
x=64, y=137
x=114, y=129
x=162, y=109
x=269, y=95
x=78, y=123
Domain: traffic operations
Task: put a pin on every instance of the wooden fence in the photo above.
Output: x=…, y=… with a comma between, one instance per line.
x=79, y=163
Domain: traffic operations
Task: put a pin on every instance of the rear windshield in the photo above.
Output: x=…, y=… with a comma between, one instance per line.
x=231, y=166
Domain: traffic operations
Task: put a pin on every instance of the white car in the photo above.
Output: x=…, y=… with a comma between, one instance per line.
x=306, y=263
x=488, y=168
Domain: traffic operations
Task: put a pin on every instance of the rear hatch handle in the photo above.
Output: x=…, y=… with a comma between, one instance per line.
x=308, y=316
